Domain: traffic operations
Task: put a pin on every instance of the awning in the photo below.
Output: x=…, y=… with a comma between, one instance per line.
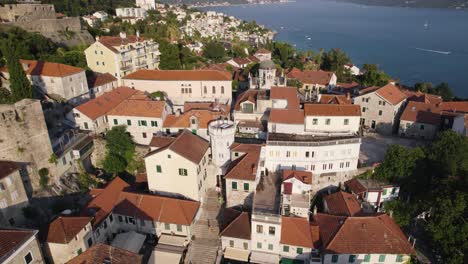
x=262, y=257
x=236, y=254
x=172, y=240
x=164, y=257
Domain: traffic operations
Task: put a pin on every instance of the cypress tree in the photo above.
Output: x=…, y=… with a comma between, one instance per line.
x=19, y=84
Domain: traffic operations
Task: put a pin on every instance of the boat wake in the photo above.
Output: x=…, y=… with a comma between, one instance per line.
x=435, y=51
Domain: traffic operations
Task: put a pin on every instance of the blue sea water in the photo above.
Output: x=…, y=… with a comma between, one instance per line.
x=394, y=38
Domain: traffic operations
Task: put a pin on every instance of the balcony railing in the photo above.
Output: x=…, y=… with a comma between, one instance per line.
x=126, y=67
x=140, y=64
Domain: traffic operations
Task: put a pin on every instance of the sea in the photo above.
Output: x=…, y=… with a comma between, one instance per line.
x=410, y=44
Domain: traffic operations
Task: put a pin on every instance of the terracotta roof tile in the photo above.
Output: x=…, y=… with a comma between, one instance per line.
x=310, y=76
x=180, y=75
x=64, y=229
x=12, y=239
x=334, y=99
x=331, y=110
x=161, y=141
x=204, y=117
x=351, y=235
x=245, y=167
x=346, y=86
x=139, y=108
x=289, y=94
x=303, y=176
x=286, y=116
x=341, y=203
x=422, y=113
x=249, y=95
x=422, y=97
x=459, y=107
x=99, y=79
x=239, y=227
x=45, y=68
x=355, y=186
x=296, y=231
x=224, y=108
x=101, y=105
x=111, y=42
x=100, y=253
x=391, y=93
x=262, y=51
x=7, y=168
x=187, y=145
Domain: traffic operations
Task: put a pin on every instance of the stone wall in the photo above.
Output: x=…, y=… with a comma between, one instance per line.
x=24, y=137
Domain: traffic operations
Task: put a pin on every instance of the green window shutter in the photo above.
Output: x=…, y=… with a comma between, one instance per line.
x=352, y=258
x=385, y=192
x=129, y=122
x=158, y=168
x=299, y=250
x=179, y=228
x=234, y=185
x=116, y=122
x=182, y=172
x=246, y=186
x=367, y=258
x=399, y=258
x=285, y=248
x=154, y=123
x=382, y=258
x=334, y=258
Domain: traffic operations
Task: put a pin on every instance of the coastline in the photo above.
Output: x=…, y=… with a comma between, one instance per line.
x=246, y=4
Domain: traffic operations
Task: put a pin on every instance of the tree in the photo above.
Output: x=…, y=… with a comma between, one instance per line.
x=372, y=76
x=19, y=84
x=214, y=50
x=169, y=59
x=120, y=150
x=444, y=91
x=335, y=60
x=448, y=154
x=44, y=177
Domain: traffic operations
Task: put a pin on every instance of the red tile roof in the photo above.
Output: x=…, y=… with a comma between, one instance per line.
x=297, y=231
x=180, y=75
x=377, y=234
x=262, y=51
x=245, y=167
x=331, y=110
x=341, y=203
x=224, y=108
x=346, y=86
x=422, y=97
x=289, y=94
x=139, y=108
x=239, y=227
x=458, y=107
x=250, y=95
x=286, y=116
x=310, y=76
x=99, y=79
x=12, y=239
x=64, y=229
x=45, y=68
x=102, y=253
x=303, y=176
x=203, y=116
x=334, y=99
x=391, y=93
x=103, y=104
x=112, y=42
x=187, y=145
x=422, y=113
x=242, y=61
x=161, y=141
x=355, y=186
x=7, y=168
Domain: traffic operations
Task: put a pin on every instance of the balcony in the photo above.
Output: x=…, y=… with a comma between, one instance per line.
x=125, y=58
x=126, y=67
x=141, y=64
x=140, y=54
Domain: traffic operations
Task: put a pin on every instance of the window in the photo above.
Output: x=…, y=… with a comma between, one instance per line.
x=312, y=167
x=380, y=112
x=247, y=108
x=142, y=222
x=271, y=230
x=259, y=245
x=324, y=166
x=285, y=248
x=399, y=258
x=234, y=185
x=352, y=258
x=143, y=135
x=341, y=165
x=367, y=258
x=270, y=246
x=158, y=168
x=314, y=121
x=380, y=102
x=222, y=89
x=85, y=125
x=231, y=243
x=182, y=172
x=90, y=242
x=346, y=122
x=167, y=226
x=421, y=127
x=330, y=166
x=205, y=90
x=111, y=218
x=382, y=258
x=214, y=89
x=129, y=122
x=28, y=258
x=154, y=123
x=307, y=154
x=169, y=156
x=334, y=258
x=97, y=62
x=347, y=164
x=120, y=218
x=246, y=186
x=363, y=109
x=288, y=154
x=299, y=250
x=142, y=123
x=259, y=229
x=327, y=121
x=313, y=154
x=246, y=245
x=182, y=90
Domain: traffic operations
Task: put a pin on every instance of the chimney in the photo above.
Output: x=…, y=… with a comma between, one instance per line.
x=254, y=168
x=348, y=96
x=177, y=113
x=123, y=35
x=25, y=65
x=97, y=38
x=138, y=34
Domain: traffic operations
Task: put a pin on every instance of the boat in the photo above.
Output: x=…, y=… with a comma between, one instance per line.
x=426, y=25
x=435, y=51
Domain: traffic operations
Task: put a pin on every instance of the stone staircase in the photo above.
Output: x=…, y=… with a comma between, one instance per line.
x=204, y=248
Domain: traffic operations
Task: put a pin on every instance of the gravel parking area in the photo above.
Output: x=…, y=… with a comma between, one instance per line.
x=374, y=146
